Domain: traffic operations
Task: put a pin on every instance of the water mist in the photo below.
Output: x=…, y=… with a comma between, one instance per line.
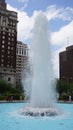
x=42, y=94
x=42, y=85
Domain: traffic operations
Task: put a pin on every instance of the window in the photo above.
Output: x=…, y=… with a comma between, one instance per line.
x=10, y=22
x=13, y=24
x=4, y=23
x=8, y=47
x=9, y=79
x=2, y=50
x=3, y=28
x=4, y=18
x=11, y=48
x=9, y=34
x=8, y=43
x=9, y=30
x=11, y=56
x=7, y=65
x=2, y=60
x=3, y=37
x=2, y=56
x=2, y=64
x=12, y=34
x=16, y=51
x=8, y=38
x=3, y=41
x=4, y=33
x=12, y=39
x=8, y=52
x=8, y=56
x=12, y=31
x=2, y=46
x=24, y=52
x=11, y=66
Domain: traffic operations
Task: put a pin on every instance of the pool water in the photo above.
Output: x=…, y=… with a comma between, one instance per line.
x=10, y=119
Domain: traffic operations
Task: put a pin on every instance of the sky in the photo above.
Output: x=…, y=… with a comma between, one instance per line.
x=60, y=18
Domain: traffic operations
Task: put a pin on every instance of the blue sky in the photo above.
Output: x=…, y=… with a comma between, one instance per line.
x=38, y=4
x=29, y=6
x=60, y=18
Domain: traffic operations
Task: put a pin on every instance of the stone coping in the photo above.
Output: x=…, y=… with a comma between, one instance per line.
x=14, y=101
x=23, y=101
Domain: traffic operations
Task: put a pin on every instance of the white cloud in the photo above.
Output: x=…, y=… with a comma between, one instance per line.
x=53, y=12
x=65, y=33
x=22, y=1
x=62, y=38
x=26, y=23
x=59, y=38
x=9, y=7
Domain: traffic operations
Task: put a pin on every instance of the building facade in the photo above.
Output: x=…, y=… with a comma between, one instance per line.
x=66, y=64
x=8, y=42
x=21, y=60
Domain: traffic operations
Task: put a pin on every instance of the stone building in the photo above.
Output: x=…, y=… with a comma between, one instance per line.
x=8, y=42
x=21, y=60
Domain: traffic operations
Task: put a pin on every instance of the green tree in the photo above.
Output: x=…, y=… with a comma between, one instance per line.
x=61, y=86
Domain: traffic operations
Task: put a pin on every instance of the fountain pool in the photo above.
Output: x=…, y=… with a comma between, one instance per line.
x=10, y=119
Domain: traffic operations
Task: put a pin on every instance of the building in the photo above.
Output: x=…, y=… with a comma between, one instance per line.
x=66, y=64
x=21, y=60
x=8, y=41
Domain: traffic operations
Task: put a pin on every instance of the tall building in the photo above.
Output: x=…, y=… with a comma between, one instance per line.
x=2, y=4
x=66, y=64
x=8, y=41
x=21, y=60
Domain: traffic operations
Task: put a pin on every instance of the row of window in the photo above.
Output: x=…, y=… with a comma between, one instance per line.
x=10, y=23
x=6, y=29
x=7, y=65
x=22, y=52
x=9, y=34
x=10, y=48
x=9, y=38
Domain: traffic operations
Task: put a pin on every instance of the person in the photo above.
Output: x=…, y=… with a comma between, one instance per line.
x=11, y=98
x=69, y=97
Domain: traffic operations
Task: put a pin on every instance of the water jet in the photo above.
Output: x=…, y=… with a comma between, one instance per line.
x=43, y=97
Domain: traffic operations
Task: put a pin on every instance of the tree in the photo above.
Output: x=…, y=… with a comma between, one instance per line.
x=61, y=86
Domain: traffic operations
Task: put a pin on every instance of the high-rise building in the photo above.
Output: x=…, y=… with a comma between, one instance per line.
x=2, y=4
x=8, y=41
x=66, y=64
x=21, y=60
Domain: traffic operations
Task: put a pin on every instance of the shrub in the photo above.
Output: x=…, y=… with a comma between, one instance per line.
x=2, y=97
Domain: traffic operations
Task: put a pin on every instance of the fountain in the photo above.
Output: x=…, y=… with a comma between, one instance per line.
x=43, y=87
x=15, y=116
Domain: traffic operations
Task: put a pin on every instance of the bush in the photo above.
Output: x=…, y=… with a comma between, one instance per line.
x=18, y=96
x=2, y=97
x=64, y=97
x=6, y=90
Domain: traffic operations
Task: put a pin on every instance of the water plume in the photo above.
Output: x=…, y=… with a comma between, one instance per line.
x=42, y=102
x=42, y=93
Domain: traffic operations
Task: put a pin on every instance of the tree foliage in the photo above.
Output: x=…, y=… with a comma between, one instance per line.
x=64, y=89
x=7, y=88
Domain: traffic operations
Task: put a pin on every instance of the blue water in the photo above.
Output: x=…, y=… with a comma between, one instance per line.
x=10, y=119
